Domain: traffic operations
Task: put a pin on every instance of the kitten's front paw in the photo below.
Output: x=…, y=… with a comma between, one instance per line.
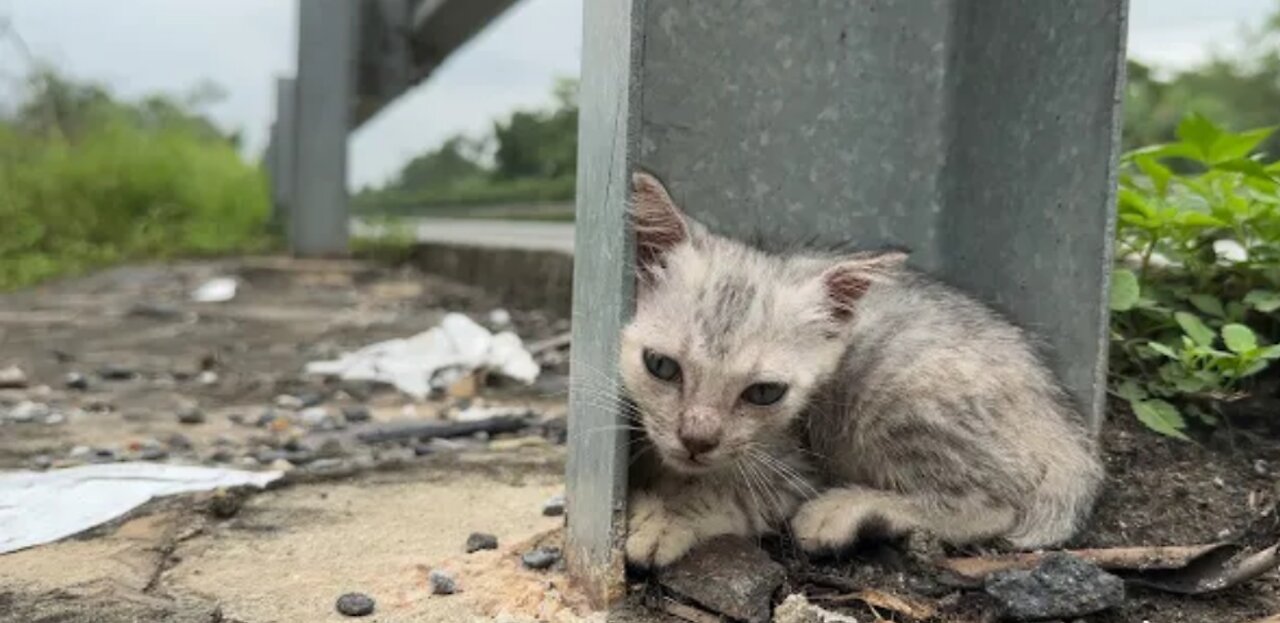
x=656, y=537
x=829, y=522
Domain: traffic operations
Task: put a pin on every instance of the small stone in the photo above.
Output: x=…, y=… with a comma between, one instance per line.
x=1061, y=587
x=442, y=582
x=27, y=411
x=541, y=558
x=76, y=381
x=81, y=453
x=730, y=575
x=208, y=377
x=190, y=415
x=286, y=401
x=42, y=461
x=315, y=417
x=356, y=605
x=103, y=455
x=310, y=399
x=282, y=465
x=265, y=418
x=223, y=455
x=481, y=540
x=356, y=414
x=1260, y=467
x=500, y=318
x=330, y=449
x=554, y=507
x=54, y=419
x=797, y=609
x=153, y=454
x=178, y=441
x=116, y=373
x=423, y=449
x=1217, y=480
x=12, y=377
x=248, y=462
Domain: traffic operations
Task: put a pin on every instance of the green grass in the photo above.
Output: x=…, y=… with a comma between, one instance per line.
x=121, y=192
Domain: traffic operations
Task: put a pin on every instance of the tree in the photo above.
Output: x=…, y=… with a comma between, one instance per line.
x=541, y=143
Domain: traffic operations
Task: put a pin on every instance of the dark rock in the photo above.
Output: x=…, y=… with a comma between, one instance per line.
x=178, y=441
x=156, y=311
x=330, y=449
x=556, y=430
x=481, y=540
x=191, y=415
x=103, y=455
x=236, y=418
x=116, y=373
x=222, y=455
x=153, y=454
x=423, y=449
x=311, y=399
x=266, y=418
x=554, y=507
x=541, y=558
x=1061, y=587
x=356, y=604
x=442, y=582
x=729, y=575
x=77, y=381
x=356, y=414
x=44, y=461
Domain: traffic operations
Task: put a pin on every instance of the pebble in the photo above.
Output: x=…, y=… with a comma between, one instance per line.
x=27, y=411
x=356, y=414
x=310, y=399
x=315, y=417
x=42, y=461
x=1219, y=482
x=104, y=455
x=331, y=449
x=266, y=418
x=541, y=558
x=282, y=465
x=191, y=415
x=423, y=449
x=223, y=455
x=1260, y=467
x=153, y=454
x=208, y=377
x=77, y=381
x=286, y=401
x=442, y=582
x=81, y=452
x=554, y=507
x=116, y=373
x=1061, y=587
x=356, y=605
x=481, y=540
x=55, y=418
x=727, y=574
x=12, y=377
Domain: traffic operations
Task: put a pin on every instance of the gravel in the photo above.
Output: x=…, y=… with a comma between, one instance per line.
x=356, y=605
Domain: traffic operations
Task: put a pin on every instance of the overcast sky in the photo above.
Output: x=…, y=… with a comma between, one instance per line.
x=142, y=46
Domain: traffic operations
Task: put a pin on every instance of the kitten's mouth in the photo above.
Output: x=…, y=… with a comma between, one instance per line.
x=683, y=463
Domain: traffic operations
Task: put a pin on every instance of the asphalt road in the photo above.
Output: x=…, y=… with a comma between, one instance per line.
x=538, y=235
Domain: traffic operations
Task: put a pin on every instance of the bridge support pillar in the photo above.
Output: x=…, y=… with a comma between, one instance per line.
x=982, y=134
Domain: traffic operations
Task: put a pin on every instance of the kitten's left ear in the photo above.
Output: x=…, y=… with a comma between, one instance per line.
x=659, y=225
x=848, y=280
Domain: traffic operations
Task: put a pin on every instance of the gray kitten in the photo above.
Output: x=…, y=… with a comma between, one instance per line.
x=840, y=394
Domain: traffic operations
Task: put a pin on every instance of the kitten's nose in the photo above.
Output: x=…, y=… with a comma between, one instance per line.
x=699, y=444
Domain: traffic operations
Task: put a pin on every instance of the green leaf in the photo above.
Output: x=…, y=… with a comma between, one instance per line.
x=1156, y=172
x=1239, y=338
x=1246, y=166
x=1254, y=368
x=1124, y=290
x=1131, y=391
x=1237, y=146
x=1199, y=219
x=1208, y=304
x=1264, y=301
x=1168, y=150
x=1197, y=130
x=1194, y=328
x=1270, y=352
x=1162, y=349
x=1160, y=417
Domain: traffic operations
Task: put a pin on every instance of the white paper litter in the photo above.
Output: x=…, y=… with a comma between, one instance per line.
x=435, y=358
x=42, y=507
x=219, y=290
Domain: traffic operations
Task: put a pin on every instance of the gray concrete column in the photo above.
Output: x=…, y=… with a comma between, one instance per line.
x=981, y=134
x=282, y=153
x=327, y=33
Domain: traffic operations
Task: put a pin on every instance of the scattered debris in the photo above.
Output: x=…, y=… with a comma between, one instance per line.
x=541, y=558
x=1061, y=587
x=42, y=507
x=435, y=359
x=356, y=605
x=292, y=403
x=476, y=413
x=685, y=612
x=218, y=290
x=554, y=507
x=116, y=373
x=356, y=414
x=28, y=411
x=884, y=601
x=441, y=430
x=797, y=609
x=156, y=311
x=727, y=574
x=12, y=377
x=442, y=582
x=191, y=415
x=77, y=381
x=481, y=540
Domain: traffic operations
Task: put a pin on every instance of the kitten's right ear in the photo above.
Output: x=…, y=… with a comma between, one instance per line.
x=659, y=225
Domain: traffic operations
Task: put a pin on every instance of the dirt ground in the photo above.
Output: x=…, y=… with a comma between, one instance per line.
x=376, y=518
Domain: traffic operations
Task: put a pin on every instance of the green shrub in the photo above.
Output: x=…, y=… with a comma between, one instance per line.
x=122, y=191
x=1197, y=281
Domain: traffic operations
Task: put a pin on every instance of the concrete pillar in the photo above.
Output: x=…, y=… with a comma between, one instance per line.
x=981, y=134
x=327, y=34
x=282, y=153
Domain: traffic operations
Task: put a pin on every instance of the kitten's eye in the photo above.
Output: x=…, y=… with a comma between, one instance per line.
x=661, y=367
x=764, y=394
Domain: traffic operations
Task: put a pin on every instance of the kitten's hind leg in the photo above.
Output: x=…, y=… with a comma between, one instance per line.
x=836, y=519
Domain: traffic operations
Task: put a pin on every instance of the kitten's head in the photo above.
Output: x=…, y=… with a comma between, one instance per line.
x=728, y=343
